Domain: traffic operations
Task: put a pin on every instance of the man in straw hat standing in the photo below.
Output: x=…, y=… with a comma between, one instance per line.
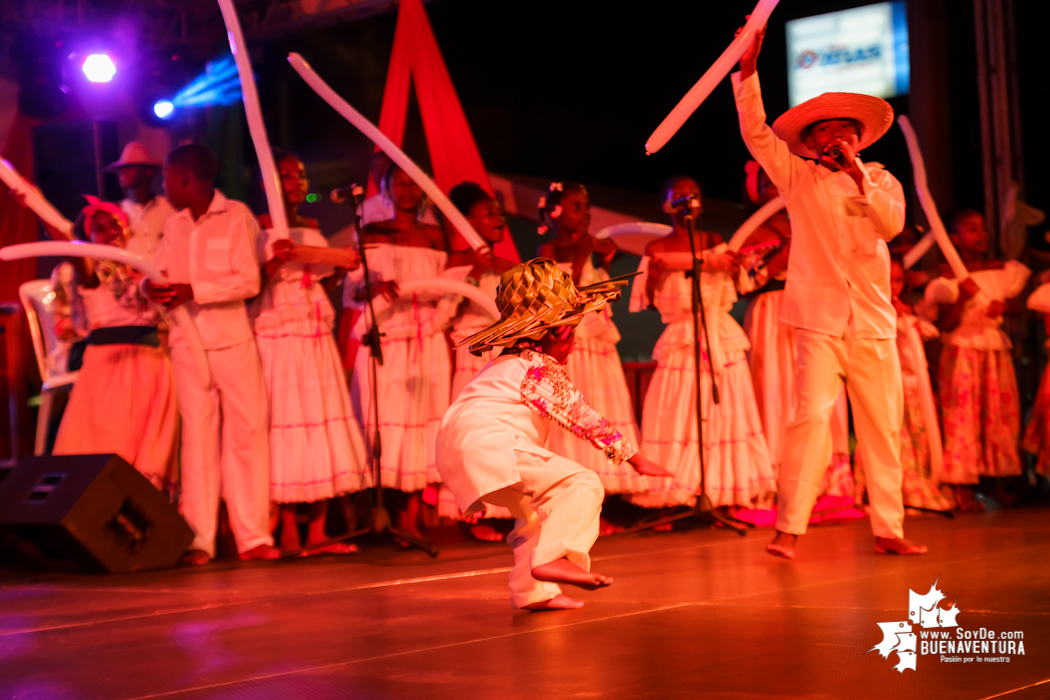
x=838, y=295
x=145, y=210
x=490, y=445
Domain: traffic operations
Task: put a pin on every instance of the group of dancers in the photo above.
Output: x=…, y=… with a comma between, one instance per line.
x=464, y=404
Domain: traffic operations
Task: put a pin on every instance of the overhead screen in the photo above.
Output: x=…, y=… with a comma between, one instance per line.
x=861, y=50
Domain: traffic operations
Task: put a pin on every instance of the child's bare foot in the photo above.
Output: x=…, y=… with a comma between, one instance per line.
x=334, y=548
x=194, y=557
x=486, y=533
x=783, y=545
x=898, y=545
x=263, y=551
x=564, y=571
x=558, y=602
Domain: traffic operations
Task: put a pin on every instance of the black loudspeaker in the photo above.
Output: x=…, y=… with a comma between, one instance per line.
x=95, y=509
x=68, y=158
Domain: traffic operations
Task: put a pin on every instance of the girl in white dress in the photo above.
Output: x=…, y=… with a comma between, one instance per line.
x=413, y=383
x=317, y=451
x=738, y=470
x=594, y=366
x=980, y=406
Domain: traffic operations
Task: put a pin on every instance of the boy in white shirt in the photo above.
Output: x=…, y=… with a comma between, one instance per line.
x=837, y=295
x=208, y=254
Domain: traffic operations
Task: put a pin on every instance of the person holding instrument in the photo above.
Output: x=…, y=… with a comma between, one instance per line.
x=317, y=451
x=837, y=294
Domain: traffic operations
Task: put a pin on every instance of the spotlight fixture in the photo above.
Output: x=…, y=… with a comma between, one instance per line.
x=164, y=109
x=99, y=68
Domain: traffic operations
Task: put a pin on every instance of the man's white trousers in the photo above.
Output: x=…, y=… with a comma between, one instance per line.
x=871, y=370
x=225, y=446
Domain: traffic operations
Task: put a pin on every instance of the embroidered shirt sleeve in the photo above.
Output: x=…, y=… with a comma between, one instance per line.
x=547, y=390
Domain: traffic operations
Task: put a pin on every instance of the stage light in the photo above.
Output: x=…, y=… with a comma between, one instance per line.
x=99, y=68
x=164, y=109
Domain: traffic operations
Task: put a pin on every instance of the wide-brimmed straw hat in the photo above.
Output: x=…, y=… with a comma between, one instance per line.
x=133, y=154
x=536, y=296
x=874, y=115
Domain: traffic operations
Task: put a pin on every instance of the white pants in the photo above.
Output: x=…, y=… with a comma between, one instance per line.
x=871, y=369
x=225, y=446
x=556, y=505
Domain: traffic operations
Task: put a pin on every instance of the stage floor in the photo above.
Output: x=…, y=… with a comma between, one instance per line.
x=692, y=614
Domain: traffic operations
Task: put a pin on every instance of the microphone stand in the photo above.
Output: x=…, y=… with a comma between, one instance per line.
x=379, y=521
x=703, y=509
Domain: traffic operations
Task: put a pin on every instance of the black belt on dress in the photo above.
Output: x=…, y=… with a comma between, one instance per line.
x=125, y=335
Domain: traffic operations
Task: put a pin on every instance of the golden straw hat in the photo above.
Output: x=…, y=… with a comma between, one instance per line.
x=874, y=114
x=536, y=296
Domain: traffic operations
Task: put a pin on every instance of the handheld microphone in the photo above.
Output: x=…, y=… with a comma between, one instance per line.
x=673, y=205
x=352, y=191
x=835, y=152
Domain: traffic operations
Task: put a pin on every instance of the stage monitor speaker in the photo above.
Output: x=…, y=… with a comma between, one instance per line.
x=68, y=162
x=95, y=509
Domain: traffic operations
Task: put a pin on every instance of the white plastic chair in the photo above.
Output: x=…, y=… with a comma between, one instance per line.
x=36, y=297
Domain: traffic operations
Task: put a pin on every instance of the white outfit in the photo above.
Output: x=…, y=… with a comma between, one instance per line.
x=773, y=360
x=316, y=446
x=838, y=296
x=146, y=224
x=594, y=368
x=977, y=330
x=490, y=450
x=413, y=381
x=737, y=467
x=225, y=443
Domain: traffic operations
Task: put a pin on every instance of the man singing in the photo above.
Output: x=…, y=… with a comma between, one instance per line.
x=838, y=294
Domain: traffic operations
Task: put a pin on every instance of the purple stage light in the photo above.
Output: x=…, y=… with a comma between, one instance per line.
x=99, y=68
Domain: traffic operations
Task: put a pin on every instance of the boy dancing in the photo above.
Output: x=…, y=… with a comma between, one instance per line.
x=838, y=295
x=490, y=445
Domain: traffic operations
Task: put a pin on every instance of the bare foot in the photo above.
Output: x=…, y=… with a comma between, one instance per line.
x=607, y=528
x=558, y=602
x=263, y=551
x=486, y=533
x=899, y=545
x=783, y=545
x=564, y=571
x=194, y=557
x=334, y=548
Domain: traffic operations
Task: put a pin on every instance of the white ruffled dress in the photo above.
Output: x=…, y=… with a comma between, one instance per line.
x=317, y=450
x=738, y=469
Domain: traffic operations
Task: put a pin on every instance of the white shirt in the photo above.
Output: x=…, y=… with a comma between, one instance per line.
x=216, y=256
x=509, y=406
x=146, y=223
x=839, y=265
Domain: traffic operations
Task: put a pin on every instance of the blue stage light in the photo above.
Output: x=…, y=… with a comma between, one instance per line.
x=217, y=85
x=99, y=68
x=164, y=109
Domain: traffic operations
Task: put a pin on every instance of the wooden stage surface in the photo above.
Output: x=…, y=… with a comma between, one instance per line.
x=692, y=614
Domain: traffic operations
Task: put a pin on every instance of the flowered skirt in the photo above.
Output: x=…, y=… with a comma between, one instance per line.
x=919, y=488
x=1037, y=435
x=981, y=414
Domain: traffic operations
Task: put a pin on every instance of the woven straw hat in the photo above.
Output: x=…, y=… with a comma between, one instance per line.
x=536, y=296
x=874, y=114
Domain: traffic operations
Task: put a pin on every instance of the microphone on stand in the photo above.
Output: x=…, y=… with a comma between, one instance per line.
x=673, y=205
x=352, y=191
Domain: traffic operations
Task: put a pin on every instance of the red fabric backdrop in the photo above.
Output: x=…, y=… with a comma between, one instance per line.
x=453, y=153
x=17, y=224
